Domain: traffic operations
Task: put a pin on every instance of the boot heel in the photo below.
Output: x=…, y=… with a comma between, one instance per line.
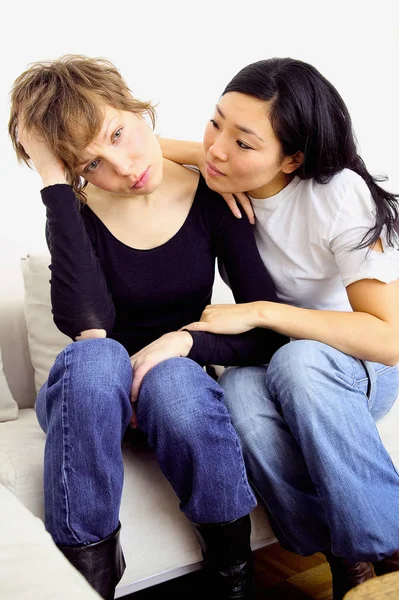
x=347, y=575
x=226, y=549
x=387, y=565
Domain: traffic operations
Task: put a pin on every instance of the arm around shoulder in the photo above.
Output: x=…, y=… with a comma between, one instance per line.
x=182, y=152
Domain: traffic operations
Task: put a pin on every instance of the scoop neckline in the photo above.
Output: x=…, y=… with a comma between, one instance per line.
x=171, y=239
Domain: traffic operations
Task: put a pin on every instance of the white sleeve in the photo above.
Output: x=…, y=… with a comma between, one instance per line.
x=355, y=216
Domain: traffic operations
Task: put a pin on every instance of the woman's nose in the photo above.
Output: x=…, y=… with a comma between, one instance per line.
x=123, y=168
x=218, y=151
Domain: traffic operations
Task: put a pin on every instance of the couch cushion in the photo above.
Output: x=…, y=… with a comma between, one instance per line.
x=21, y=459
x=32, y=567
x=17, y=365
x=45, y=340
x=8, y=406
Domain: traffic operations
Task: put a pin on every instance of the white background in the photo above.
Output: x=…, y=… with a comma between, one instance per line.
x=181, y=55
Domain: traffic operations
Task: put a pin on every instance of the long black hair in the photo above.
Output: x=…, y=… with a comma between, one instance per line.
x=308, y=114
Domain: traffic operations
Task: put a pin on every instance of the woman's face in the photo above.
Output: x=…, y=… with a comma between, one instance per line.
x=125, y=158
x=242, y=152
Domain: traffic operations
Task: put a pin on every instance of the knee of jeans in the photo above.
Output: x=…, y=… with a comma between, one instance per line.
x=92, y=366
x=236, y=383
x=229, y=379
x=302, y=363
x=244, y=392
x=174, y=388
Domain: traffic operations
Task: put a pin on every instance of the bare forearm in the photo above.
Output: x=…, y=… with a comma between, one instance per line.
x=53, y=177
x=355, y=333
x=182, y=152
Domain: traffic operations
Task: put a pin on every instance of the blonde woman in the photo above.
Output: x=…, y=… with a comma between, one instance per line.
x=132, y=261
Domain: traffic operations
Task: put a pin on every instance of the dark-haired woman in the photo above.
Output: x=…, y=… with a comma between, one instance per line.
x=282, y=134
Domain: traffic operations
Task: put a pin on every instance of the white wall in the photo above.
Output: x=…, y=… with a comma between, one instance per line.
x=181, y=54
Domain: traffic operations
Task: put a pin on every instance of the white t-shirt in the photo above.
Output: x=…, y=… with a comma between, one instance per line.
x=306, y=234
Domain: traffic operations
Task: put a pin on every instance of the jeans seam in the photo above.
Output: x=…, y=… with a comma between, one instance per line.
x=351, y=361
x=356, y=382
x=244, y=476
x=384, y=370
x=65, y=446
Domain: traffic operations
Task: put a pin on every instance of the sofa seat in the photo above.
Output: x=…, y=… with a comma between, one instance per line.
x=157, y=539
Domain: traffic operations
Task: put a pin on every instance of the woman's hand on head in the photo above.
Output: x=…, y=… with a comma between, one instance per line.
x=170, y=345
x=47, y=164
x=229, y=319
x=242, y=199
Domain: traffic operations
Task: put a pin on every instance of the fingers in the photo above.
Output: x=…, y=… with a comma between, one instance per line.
x=247, y=206
x=20, y=134
x=232, y=204
x=136, y=383
x=197, y=326
x=138, y=376
x=244, y=201
x=133, y=420
x=91, y=333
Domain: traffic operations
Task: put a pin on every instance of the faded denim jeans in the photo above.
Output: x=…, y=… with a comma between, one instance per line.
x=85, y=410
x=313, y=453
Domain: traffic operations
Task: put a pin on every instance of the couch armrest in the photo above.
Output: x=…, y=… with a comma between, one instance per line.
x=31, y=566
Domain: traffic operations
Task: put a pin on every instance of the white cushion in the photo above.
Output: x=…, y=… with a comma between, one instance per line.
x=21, y=460
x=8, y=406
x=45, y=340
x=31, y=566
x=17, y=365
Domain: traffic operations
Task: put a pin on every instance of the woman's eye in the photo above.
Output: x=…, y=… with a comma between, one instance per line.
x=243, y=146
x=92, y=166
x=118, y=133
x=216, y=126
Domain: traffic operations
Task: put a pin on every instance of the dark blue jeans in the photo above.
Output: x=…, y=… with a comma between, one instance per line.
x=85, y=409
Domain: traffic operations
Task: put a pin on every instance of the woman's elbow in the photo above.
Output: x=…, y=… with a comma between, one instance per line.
x=391, y=352
x=393, y=360
x=87, y=328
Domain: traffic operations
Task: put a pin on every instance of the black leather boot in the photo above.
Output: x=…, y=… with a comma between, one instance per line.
x=347, y=575
x=227, y=554
x=101, y=563
x=387, y=565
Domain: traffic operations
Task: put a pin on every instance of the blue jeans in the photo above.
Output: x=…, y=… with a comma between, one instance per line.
x=313, y=453
x=85, y=409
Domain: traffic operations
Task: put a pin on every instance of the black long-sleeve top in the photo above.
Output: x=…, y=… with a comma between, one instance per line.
x=98, y=282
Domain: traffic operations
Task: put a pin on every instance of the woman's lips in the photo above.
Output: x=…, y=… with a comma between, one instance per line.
x=142, y=180
x=212, y=170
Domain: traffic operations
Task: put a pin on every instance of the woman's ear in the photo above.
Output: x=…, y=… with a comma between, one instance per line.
x=291, y=163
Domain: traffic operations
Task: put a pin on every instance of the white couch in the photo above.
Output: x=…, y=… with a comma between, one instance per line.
x=157, y=540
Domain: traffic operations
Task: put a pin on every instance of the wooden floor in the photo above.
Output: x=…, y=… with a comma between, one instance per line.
x=279, y=575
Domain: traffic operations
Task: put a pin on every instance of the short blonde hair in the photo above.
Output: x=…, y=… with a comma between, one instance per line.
x=64, y=100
